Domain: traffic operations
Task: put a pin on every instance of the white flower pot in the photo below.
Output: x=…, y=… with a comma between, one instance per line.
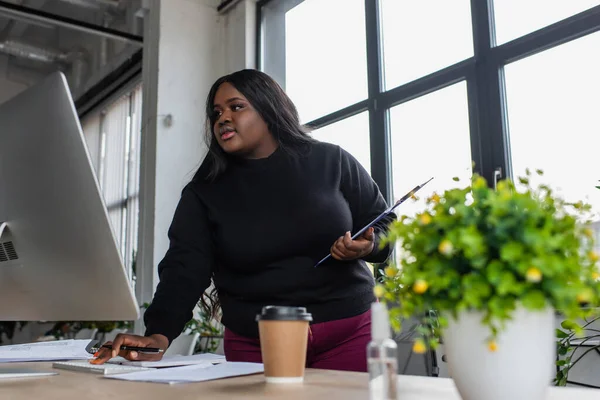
x=521, y=368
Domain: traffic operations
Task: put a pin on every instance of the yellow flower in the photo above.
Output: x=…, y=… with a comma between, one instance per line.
x=446, y=247
x=479, y=183
x=435, y=198
x=420, y=286
x=533, y=275
x=585, y=296
x=502, y=186
x=594, y=257
x=419, y=347
x=492, y=346
x=390, y=272
x=595, y=275
x=425, y=219
x=379, y=291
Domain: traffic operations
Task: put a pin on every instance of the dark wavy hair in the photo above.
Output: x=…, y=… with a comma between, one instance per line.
x=281, y=117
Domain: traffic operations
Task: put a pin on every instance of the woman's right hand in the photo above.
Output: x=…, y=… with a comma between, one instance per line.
x=157, y=340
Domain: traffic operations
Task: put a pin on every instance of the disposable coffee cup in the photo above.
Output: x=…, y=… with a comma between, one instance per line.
x=283, y=339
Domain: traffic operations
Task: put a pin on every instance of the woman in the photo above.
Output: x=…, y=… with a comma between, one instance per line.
x=266, y=205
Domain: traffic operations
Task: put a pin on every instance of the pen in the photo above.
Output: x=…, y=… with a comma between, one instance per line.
x=151, y=350
x=382, y=215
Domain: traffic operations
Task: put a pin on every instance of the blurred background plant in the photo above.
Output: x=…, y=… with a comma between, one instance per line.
x=210, y=330
x=8, y=329
x=574, y=342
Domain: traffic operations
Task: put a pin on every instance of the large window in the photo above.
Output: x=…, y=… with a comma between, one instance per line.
x=440, y=86
x=515, y=18
x=553, y=106
x=430, y=139
x=421, y=37
x=352, y=134
x=113, y=141
x=308, y=60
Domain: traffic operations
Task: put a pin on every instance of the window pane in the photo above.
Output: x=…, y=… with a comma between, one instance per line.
x=351, y=134
x=91, y=133
x=430, y=138
x=321, y=63
x=115, y=127
x=421, y=37
x=553, y=118
x=515, y=18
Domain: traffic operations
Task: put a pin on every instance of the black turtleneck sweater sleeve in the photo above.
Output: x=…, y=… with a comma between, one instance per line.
x=184, y=272
x=258, y=230
x=365, y=202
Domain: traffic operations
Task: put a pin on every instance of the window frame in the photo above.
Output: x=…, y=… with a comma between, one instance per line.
x=483, y=73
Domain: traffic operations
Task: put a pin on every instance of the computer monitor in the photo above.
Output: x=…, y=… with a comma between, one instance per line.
x=59, y=260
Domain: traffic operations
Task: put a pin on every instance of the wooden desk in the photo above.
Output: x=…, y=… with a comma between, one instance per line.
x=319, y=384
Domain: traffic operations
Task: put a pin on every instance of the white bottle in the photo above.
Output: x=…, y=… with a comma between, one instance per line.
x=382, y=358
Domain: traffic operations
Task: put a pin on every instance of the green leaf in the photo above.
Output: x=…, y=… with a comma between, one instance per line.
x=561, y=334
x=563, y=381
x=569, y=325
x=507, y=283
x=511, y=252
x=561, y=363
x=494, y=272
x=534, y=300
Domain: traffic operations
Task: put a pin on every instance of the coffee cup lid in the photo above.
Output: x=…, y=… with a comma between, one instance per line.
x=283, y=313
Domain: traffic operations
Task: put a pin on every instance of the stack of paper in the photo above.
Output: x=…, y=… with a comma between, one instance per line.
x=45, y=351
x=192, y=373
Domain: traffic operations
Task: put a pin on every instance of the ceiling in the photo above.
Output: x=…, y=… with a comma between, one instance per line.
x=89, y=40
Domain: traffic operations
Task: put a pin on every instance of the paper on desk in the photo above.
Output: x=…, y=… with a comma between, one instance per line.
x=45, y=351
x=24, y=373
x=192, y=373
x=173, y=361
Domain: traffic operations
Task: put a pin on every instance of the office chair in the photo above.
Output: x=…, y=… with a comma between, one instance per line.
x=183, y=345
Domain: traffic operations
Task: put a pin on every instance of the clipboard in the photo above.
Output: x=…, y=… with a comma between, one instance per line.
x=381, y=216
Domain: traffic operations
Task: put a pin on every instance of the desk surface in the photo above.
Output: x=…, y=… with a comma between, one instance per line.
x=319, y=384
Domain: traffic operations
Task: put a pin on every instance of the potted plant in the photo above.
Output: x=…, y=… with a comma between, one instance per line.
x=494, y=266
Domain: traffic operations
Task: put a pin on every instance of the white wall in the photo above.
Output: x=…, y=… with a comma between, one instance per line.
x=240, y=36
x=189, y=62
x=188, y=45
x=183, y=55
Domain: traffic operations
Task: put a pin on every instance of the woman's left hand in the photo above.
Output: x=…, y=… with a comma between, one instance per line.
x=347, y=249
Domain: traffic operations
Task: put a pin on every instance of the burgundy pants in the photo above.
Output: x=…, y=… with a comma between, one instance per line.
x=340, y=344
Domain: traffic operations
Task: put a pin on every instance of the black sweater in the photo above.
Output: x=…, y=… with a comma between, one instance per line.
x=258, y=231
